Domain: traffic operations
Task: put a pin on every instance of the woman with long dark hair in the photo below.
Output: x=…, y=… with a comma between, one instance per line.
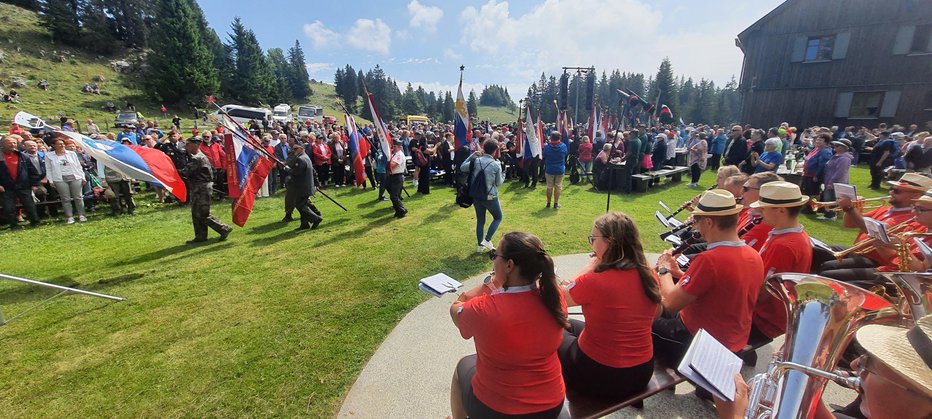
x=611, y=353
x=516, y=318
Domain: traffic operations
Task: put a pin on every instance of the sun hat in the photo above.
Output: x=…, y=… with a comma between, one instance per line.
x=780, y=195
x=843, y=142
x=907, y=352
x=913, y=182
x=924, y=200
x=717, y=202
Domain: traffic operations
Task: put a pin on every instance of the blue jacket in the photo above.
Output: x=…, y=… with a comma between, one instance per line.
x=815, y=165
x=555, y=158
x=717, y=144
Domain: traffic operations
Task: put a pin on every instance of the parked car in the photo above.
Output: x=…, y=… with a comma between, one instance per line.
x=329, y=119
x=282, y=113
x=128, y=119
x=244, y=114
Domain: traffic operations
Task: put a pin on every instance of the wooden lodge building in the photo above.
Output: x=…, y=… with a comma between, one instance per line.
x=839, y=62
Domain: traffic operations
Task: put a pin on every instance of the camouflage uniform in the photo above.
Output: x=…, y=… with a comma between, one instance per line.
x=200, y=180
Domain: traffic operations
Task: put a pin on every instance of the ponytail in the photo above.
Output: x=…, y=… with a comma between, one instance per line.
x=528, y=254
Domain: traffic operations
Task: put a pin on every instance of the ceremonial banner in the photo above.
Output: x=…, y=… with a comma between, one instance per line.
x=246, y=171
x=359, y=149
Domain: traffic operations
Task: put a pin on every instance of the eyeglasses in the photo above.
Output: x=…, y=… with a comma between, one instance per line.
x=748, y=188
x=862, y=369
x=592, y=239
x=494, y=254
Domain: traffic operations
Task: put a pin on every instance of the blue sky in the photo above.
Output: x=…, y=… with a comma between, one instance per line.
x=507, y=43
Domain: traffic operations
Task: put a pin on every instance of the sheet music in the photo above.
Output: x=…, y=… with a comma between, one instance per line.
x=876, y=229
x=843, y=190
x=439, y=284
x=710, y=365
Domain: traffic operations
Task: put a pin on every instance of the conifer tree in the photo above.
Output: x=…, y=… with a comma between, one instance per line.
x=61, y=18
x=298, y=76
x=252, y=77
x=180, y=65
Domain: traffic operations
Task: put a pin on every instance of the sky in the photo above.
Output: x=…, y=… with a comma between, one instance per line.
x=509, y=43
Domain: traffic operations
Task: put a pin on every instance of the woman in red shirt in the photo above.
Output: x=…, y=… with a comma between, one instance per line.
x=516, y=318
x=611, y=354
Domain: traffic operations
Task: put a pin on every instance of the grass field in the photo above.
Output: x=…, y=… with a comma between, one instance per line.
x=269, y=323
x=496, y=115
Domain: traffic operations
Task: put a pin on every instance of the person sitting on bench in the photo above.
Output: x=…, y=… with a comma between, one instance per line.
x=718, y=290
x=517, y=326
x=787, y=249
x=611, y=354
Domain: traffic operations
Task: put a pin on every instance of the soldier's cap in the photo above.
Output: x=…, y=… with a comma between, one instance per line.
x=397, y=142
x=195, y=140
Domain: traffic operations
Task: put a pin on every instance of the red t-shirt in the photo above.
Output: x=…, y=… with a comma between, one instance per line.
x=12, y=165
x=894, y=265
x=618, y=317
x=889, y=216
x=516, y=337
x=758, y=234
x=725, y=279
x=787, y=250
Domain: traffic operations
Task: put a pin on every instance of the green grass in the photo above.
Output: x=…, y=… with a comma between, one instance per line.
x=269, y=323
x=496, y=115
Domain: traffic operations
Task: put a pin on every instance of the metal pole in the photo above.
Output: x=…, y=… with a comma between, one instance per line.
x=59, y=287
x=576, y=108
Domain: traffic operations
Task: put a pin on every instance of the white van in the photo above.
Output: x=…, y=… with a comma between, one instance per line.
x=244, y=114
x=282, y=113
x=311, y=113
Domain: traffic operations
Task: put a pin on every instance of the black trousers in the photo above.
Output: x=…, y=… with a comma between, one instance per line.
x=877, y=175
x=9, y=198
x=273, y=181
x=291, y=199
x=695, y=171
x=423, y=180
x=395, y=183
x=854, y=268
x=369, y=176
x=339, y=173
x=123, y=197
x=200, y=213
x=588, y=376
x=715, y=161
x=670, y=338
x=303, y=205
x=382, y=178
x=323, y=173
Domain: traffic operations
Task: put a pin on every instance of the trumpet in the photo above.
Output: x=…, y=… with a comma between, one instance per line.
x=833, y=205
x=902, y=249
x=869, y=244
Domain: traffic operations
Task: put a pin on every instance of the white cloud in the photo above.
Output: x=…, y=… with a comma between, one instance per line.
x=320, y=36
x=451, y=54
x=424, y=17
x=319, y=71
x=370, y=35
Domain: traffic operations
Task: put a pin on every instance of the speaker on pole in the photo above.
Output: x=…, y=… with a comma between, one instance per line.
x=564, y=90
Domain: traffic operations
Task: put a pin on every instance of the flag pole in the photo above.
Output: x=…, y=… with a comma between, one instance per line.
x=379, y=117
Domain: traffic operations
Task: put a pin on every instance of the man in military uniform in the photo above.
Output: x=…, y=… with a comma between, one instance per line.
x=302, y=186
x=200, y=181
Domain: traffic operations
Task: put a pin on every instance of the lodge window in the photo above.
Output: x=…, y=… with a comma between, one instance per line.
x=866, y=105
x=819, y=48
x=922, y=39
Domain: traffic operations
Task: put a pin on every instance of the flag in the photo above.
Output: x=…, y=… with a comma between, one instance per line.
x=140, y=163
x=519, y=137
x=594, y=125
x=385, y=139
x=532, y=136
x=562, y=126
x=247, y=169
x=462, y=126
x=540, y=137
x=359, y=149
x=666, y=115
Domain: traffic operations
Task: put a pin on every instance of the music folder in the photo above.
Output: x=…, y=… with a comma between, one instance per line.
x=710, y=365
x=439, y=284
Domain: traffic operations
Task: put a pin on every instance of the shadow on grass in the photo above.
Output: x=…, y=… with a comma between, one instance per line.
x=175, y=252
x=28, y=292
x=441, y=214
x=268, y=227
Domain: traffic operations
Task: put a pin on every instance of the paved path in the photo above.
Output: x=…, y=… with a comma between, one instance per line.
x=409, y=375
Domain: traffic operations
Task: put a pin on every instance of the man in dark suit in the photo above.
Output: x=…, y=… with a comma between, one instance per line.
x=283, y=152
x=302, y=186
x=737, y=149
x=18, y=179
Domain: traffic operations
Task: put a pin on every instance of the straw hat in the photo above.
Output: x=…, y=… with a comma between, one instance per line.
x=780, y=195
x=913, y=182
x=717, y=202
x=843, y=142
x=908, y=352
x=924, y=200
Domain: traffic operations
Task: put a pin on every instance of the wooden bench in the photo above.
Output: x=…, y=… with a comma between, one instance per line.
x=582, y=406
x=643, y=180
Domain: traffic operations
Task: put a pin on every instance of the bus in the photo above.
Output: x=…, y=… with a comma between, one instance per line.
x=244, y=114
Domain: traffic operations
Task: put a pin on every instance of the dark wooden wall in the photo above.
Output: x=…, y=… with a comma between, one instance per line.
x=805, y=93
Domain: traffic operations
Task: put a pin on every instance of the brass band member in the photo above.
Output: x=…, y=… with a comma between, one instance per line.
x=787, y=249
x=718, y=290
x=750, y=193
x=861, y=267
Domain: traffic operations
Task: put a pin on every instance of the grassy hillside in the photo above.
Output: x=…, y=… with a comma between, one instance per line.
x=496, y=115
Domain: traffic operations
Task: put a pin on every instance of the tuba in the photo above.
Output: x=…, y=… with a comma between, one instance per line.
x=823, y=316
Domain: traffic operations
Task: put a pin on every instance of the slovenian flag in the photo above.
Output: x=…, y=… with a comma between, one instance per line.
x=532, y=135
x=359, y=149
x=385, y=139
x=462, y=127
x=247, y=169
x=136, y=162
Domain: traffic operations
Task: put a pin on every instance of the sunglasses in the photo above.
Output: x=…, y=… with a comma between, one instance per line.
x=494, y=254
x=748, y=188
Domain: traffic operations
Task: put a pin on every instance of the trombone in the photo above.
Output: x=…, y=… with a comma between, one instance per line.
x=869, y=244
x=833, y=205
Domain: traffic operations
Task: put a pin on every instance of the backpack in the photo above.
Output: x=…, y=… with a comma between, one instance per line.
x=477, y=186
x=463, y=198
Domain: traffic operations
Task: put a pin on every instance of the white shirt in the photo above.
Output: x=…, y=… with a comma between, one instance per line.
x=57, y=166
x=398, y=158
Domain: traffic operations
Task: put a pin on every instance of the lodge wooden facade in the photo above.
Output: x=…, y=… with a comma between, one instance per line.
x=839, y=62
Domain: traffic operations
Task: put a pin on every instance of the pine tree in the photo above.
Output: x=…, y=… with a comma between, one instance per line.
x=281, y=89
x=61, y=18
x=97, y=28
x=411, y=104
x=129, y=18
x=350, y=89
x=252, y=78
x=222, y=56
x=665, y=83
x=180, y=65
x=448, y=107
x=298, y=76
x=472, y=104
x=26, y=4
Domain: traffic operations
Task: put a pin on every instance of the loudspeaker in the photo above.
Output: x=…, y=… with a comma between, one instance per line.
x=564, y=90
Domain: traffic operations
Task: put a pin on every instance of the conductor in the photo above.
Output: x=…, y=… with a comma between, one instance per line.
x=200, y=180
x=301, y=183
